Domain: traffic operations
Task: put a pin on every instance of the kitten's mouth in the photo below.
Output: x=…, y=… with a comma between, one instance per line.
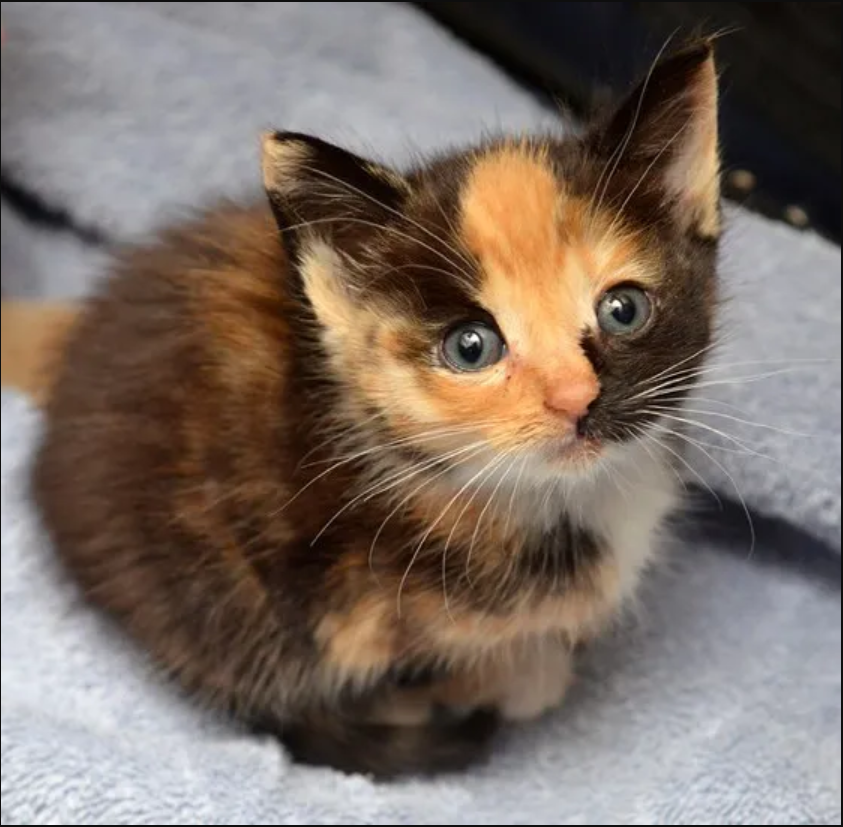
x=575, y=450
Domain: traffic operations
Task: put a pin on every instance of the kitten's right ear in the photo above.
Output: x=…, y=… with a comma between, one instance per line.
x=321, y=192
x=666, y=133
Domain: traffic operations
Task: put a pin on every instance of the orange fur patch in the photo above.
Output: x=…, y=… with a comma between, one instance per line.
x=545, y=259
x=579, y=614
x=364, y=641
x=361, y=642
x=34, y=333
x=540, y=281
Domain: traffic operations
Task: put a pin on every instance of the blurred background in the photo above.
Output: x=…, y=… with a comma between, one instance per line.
x=781, y=95
x=723, y=705
x=159, y=82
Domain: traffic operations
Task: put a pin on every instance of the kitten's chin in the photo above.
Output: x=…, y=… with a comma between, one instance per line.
x=586, y=460
x=574, y=456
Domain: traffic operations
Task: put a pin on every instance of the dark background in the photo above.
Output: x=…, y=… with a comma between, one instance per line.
x=780, y=70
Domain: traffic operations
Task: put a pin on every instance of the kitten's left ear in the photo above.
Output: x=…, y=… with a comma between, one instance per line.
x=319, y=191
x=667, y=131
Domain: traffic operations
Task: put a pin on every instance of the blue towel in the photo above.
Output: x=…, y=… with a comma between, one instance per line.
x=718, y=702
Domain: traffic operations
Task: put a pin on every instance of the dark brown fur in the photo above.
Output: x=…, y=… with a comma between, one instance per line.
x=181, y=473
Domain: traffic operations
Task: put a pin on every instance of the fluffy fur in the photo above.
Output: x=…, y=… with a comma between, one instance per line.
x=257, y=459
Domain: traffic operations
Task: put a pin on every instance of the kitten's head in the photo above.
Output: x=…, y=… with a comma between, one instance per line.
x=527, y=295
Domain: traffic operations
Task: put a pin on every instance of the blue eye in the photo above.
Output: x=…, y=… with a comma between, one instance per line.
x=623, y=311
x=472, y=346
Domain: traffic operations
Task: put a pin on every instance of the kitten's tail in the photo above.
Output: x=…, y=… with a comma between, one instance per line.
x=386, y=751
x=33, y=338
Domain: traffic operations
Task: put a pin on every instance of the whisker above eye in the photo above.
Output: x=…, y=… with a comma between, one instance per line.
x=617, y=154
x=379, y=203
x=620, y=211
x=465, y=277
x=466, y=263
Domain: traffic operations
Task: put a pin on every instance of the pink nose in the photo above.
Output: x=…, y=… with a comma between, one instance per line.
x=571, y=396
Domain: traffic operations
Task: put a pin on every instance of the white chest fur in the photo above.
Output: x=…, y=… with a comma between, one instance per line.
x=626, y=506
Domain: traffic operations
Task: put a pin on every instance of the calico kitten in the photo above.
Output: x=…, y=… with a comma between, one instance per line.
x=365, y=464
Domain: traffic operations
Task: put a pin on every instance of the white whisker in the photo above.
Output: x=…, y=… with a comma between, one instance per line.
x=617, y=155
x=695, y=355
x=620, y=211
x=731, y=479
x=687, y=375
x=514, y=494
x=462, y=269
x=347, y=432
x=690, y=467
x=412, y=494
x=486, y=507
x=737, y=419
x=393, y=481
x=433, y=525
x=710, y=383
x=685, y=421
x=419, y=439
x=642, y=437
x=693, y=423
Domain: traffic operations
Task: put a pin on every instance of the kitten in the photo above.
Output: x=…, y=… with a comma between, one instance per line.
x=365, y=465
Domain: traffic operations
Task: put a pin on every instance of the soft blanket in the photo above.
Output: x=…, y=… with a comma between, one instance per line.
x=720, y=703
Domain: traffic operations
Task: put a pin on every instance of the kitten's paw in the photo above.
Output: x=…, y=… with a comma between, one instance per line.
x=522, y=683
x=537, y=683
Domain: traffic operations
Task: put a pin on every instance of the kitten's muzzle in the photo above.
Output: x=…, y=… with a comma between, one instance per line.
x=571, y=400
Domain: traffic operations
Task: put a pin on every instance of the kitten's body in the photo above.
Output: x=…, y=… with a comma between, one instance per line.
x=255, y=461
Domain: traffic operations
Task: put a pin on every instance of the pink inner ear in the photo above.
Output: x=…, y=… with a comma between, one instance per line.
x=692, y=176
x=668, y=130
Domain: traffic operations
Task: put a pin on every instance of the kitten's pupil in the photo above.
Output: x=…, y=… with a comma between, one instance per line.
x=623, y=309
x=471, y=346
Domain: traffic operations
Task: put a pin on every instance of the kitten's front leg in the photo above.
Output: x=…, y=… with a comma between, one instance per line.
x=521, y=682
x=536, y=679
x=527, y=679
x=441, y=724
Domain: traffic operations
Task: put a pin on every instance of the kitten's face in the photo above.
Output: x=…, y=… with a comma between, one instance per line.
x=522, y=298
